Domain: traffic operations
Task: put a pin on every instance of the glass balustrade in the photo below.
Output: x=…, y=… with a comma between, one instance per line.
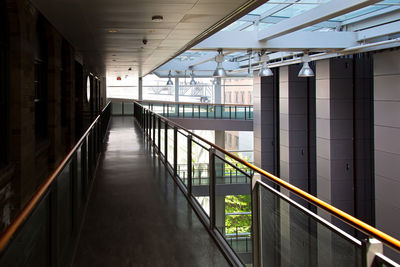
x=275, y=224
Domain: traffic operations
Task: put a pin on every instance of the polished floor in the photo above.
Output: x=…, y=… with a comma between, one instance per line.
x=136, y=215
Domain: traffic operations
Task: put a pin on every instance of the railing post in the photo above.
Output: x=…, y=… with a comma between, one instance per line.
x=215, y=111
x=175, y=151
x=245, y=113
x=370, y=247
x=192, y=110
x=235, y=112
x=256, y=220
x=159, y=135
x=230, y=111
x=211, y=175
x=199, y=111
x=189, y=164
x=167, y=110
x=166, y=142
x=153, y=117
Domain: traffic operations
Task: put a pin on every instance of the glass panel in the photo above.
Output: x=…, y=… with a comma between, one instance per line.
x=200, y=160
x=116, y=108
x=292, y=236
x=64, y=207
x=225, y=112
x=188, y=111
x=218, y=112
x=158, y=108
x=162, y=138
x=79, y=181
x=171, y=146
x=233, y=213
x=128, y=108
x=210, y=110
x=181, y=110
x=182, y=168
x=240, y=112
x=203, y=111
x=196, y=111
x=156, y=131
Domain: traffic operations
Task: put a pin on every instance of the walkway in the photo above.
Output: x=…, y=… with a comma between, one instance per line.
x=136, y=215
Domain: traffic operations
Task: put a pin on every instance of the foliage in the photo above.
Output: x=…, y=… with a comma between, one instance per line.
x=238, y=223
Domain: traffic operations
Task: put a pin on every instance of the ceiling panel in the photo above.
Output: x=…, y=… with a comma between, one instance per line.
x=110, y=33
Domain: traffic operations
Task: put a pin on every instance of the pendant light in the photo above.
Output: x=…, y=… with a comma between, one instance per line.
x=306, y=71
x=169, y=79
x=265, y=71
x=219, y=71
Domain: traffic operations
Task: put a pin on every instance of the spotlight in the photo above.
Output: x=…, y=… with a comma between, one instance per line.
x=306, y=71
x=169, y=79
x=265, y=70
x=219, y=71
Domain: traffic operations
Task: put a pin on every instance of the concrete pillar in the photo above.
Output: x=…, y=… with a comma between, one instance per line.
x=217, y=92
x=176, y=89
x=387, y=145
x=140, y=89
x=297, y=159
x=297, y=130
x=266, y=122
x=334, y=112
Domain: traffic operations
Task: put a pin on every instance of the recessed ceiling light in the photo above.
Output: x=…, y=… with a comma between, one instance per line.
x=157, y=18
x=114, y=55
x=113, y=60
x=112, y=31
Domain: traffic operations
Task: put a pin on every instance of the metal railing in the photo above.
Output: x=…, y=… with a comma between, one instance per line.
x=283, y=231
x=44, y=231
x=124, y=107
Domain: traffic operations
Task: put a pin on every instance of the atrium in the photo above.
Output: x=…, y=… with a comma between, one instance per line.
x=199, y=133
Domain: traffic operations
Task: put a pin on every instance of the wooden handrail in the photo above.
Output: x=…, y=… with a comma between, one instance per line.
x=347, y=218
x=24, y=213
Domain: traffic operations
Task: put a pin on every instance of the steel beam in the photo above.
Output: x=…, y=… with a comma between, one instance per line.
x=316, y=15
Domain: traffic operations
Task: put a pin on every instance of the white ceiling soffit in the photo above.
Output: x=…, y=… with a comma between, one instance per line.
x=110, y=33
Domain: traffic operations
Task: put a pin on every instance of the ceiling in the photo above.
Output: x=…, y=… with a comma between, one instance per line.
x=109, y=33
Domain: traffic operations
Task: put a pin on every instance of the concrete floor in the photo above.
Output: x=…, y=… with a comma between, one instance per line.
x=136, y=214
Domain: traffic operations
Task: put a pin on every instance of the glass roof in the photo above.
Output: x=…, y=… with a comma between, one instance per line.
x=275, y=11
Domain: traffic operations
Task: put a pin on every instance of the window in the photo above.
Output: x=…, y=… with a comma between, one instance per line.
x=236, y=97
x=40, y=82
x=4, y=85
x=242, y=97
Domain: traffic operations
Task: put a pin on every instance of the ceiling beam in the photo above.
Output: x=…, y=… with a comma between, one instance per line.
x=379, y=31
x=302, y=40
x=311, y=17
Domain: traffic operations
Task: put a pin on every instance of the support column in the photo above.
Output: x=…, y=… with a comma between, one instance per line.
x=217, y=92
x=297, y=159
x=297, y=128
x=266, y=122
x=176, y=89
x=387, y=146
x=140, y=89
x=334, y=113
